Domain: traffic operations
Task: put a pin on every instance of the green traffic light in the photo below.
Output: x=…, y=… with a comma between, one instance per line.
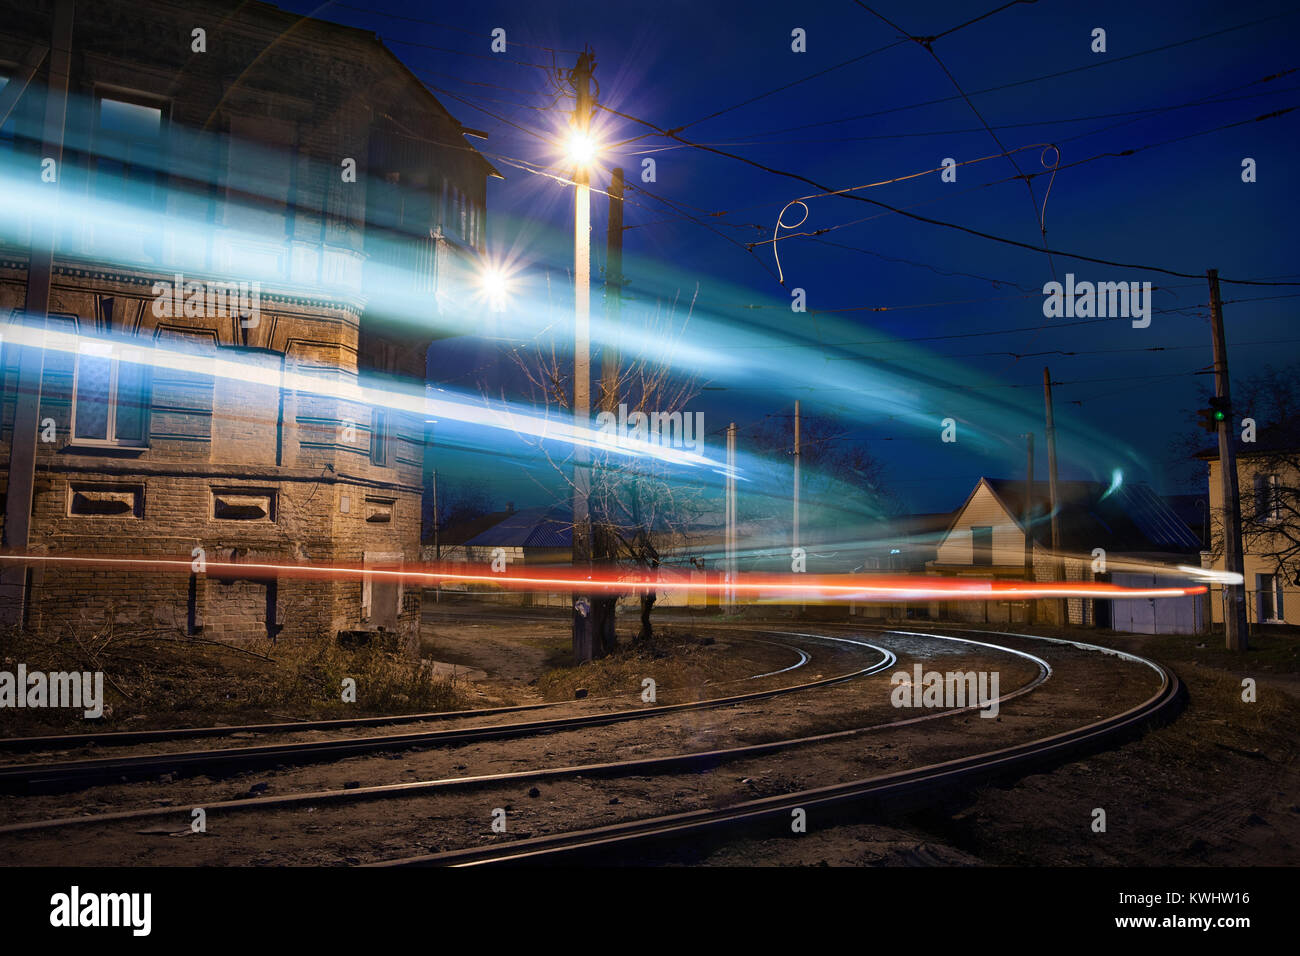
x=1219, y=416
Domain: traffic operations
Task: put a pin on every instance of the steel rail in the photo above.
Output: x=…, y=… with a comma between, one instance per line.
x=602, y=843
x=124, y=738
x=72, y=774
x=667, y=763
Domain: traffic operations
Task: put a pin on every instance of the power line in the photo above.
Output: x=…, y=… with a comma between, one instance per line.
x=464, y=98
x=942, y=386
x=491, y=86
x=939, y=222
x=477, y=56
x=817, y=233
x=927, y=43
x=1211, y=100
x=793, y=83
x=1108, y=61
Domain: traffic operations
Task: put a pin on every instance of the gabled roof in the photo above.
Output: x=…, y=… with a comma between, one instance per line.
x=1129, y=519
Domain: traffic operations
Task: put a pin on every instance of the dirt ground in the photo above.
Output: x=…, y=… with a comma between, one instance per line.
x=1218, y=785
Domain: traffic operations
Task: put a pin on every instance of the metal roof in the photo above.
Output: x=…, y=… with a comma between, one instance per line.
x=1129, y=518
x=528, y=528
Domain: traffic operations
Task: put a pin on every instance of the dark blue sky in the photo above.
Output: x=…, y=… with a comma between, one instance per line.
x=1179, y=206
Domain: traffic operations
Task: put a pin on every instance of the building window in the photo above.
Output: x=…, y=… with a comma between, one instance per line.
x=109, y=397
x=379, y=437
x=1267, y=503
x=7, y=130
x=981, y=543
x=128, y=145
x=128, y=152
x=1268, y=598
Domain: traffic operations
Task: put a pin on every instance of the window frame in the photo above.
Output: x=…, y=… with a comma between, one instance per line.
x=1266, y=590
x=379, y=429
x=110, y=425
x=101, y=136
x=8, y=129
x=1268, y=509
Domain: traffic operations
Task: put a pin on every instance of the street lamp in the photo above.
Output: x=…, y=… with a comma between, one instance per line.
x=583, y=151
x=494, y=284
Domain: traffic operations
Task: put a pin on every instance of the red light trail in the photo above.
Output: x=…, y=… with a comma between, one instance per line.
x=753, y=586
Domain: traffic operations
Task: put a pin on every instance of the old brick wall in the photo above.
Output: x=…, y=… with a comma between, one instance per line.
x=245, y=467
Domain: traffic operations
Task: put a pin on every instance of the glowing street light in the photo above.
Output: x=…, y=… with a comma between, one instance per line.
x=494, y=284
x=582, y=149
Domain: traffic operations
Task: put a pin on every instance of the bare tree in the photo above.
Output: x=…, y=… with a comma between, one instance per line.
x=639, y=508
x=1268, y=467
x=838, y=474
x=459, y=502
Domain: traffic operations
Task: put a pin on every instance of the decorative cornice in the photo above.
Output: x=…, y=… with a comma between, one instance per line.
x=349, y=304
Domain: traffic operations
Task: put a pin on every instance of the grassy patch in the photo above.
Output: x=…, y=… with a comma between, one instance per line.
x=677, y=662
x=1275, y=652
x=162, y=679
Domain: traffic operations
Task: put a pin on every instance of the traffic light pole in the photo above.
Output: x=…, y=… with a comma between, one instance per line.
x=1235, y=630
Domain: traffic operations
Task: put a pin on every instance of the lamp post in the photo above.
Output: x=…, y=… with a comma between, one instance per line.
x=582, y=151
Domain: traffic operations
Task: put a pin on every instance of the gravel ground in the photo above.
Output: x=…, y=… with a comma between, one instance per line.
x=1083, y=687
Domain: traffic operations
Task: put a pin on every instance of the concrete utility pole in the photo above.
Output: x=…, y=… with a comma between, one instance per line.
x=604, y=608
x=31, y=362
x=1027, y=516
x=609, y=354
x=1236, y=632
x=729, y=548
x=1058, y=564
x=796, y=473
x=437, y=548
x=583, y=644
x=797, y=462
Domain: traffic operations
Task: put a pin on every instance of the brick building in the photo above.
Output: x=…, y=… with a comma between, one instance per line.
x=222, y=285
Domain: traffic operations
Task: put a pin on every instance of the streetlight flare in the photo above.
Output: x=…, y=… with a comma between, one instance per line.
x=582, y=148
x=494, y=284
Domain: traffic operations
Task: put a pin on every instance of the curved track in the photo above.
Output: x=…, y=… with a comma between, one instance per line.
x=618, y=841
x=124, y=738
x=68, y=774
x=657, y=836
x=694, y=761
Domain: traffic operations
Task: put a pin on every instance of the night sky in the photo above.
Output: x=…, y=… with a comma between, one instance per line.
x=892, y=375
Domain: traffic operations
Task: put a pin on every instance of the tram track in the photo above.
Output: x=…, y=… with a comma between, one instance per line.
x=659, y=833
x=678, y=762
x=616, y=842
x=51, y=776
